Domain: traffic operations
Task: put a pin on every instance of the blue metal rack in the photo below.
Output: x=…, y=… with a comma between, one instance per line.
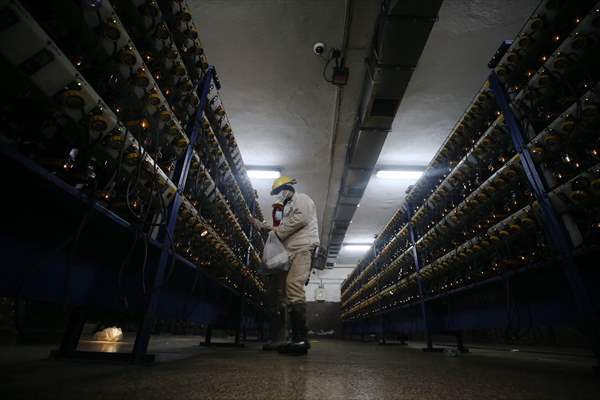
x=550, y=303
x=38, y=264
x=554, y=228
x=166, y=234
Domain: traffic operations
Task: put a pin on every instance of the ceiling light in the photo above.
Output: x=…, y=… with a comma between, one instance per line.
x=354, y=247
x=263, y=173
x=399, y=174
x=360, y=240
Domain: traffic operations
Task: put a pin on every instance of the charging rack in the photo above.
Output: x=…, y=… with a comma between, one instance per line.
x=420, y=279
x=197, y=259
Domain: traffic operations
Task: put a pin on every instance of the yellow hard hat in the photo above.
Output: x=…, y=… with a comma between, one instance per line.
x=281, y=181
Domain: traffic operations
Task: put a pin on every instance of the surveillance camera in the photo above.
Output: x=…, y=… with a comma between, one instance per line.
x=319, y=48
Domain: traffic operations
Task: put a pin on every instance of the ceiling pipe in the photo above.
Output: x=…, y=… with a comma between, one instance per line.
x=402, y=29
x=339, y=95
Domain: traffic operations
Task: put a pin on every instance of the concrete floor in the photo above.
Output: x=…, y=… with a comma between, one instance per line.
x=332, y=370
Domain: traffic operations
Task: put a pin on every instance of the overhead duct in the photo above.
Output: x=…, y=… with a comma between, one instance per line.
x=402, y=30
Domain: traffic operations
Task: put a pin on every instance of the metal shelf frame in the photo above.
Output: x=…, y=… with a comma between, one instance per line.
x=229, y=297
x=554, y=230
x=553, y=225
x=166, y=233
x=577, y=298
x=162, y=301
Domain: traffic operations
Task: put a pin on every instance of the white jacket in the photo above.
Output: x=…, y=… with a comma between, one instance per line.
x=299, y=228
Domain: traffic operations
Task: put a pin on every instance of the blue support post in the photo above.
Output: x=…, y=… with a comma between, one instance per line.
x=417, y=261
x=381, y=318
x=166, y=233
x=241, y=326
x=554, y=227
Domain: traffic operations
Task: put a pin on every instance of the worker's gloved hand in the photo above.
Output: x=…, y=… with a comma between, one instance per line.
x=260, y=225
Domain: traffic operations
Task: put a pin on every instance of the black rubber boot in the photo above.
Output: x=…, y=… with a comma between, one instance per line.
x=276, y=330
x=299, y=343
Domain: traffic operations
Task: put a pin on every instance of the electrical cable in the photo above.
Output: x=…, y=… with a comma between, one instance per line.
x=117, y=170
x=328, y=61
x=138, y=230
x=70, y=240
x=170, y=269
x=145, y=237
x=142, y=219
x=141, y=158
x=185, y=313
x=144, y=263
x=76, y=237
x=124, y=263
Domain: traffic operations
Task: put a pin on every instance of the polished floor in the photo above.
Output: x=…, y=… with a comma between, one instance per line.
x=332, y=370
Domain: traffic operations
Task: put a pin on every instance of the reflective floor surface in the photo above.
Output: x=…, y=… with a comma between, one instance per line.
x=332, y=370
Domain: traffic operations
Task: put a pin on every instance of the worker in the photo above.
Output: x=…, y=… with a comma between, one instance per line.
x=299, y=233
x=275, y=296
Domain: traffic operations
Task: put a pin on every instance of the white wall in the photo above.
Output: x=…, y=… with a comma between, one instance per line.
x=331, y=280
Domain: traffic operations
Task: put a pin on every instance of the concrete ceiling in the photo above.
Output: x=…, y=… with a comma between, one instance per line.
x=282, y=111
x=280, y=107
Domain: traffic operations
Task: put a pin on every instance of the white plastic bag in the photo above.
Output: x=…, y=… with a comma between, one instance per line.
x=111, y=334
x=275, y=256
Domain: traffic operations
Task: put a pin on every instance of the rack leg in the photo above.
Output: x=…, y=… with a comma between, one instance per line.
x=429, y=336
x=459, y=343
x=261, y=330
x=381, y=339
x=72, y=335
x=426, y=325
x=238, y=337
x=402, y=340
x=382, y=332
x=362, y=332
x=209, y=343
x=142, y=339
x=208, y=335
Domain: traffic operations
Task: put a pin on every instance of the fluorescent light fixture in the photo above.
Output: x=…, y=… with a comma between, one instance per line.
x=399, y=174
x=263, y=173
x=355, y=247
x=359, y=239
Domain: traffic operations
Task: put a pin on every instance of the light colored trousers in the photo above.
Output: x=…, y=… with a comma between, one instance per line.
x=297, y=276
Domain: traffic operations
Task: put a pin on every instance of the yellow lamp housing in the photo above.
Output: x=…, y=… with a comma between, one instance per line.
x=98, y=123
x=127, y=56
x=73, y=99
x=140, y=78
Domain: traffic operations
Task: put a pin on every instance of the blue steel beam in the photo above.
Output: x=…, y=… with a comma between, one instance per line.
x=378, y=269
x=553, y=226
x=166, y=234
x=417, y=261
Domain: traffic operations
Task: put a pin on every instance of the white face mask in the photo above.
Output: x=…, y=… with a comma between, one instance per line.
x=279, y=215
x=283, y=196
